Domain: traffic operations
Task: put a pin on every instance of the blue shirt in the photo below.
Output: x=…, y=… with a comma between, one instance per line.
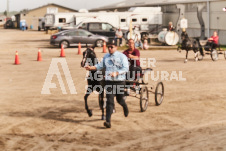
x=116, y=62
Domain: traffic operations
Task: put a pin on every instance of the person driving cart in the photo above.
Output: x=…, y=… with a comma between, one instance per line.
x=212, y=42
x=133, y=56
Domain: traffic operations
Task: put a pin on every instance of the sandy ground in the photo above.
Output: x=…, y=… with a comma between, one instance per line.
x=191, y=117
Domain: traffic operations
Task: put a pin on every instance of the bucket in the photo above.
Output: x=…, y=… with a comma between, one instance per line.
x=31, y=26
x=169, y=37
x=161, y=36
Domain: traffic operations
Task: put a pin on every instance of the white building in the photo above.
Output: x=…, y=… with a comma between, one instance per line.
x=204, y=16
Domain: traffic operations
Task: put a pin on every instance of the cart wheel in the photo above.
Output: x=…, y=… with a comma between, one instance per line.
x=159, y=93
x=224, y=54
x=214, y=55
x=145, y=78
x=102, y=97
x=144, y=98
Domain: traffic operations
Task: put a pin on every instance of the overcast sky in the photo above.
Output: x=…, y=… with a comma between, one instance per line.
x=17, y=5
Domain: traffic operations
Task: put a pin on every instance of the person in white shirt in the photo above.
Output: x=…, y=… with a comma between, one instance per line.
x=23, y=24
x=118, y=35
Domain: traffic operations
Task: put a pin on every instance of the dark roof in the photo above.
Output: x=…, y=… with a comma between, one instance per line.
x=55, y=5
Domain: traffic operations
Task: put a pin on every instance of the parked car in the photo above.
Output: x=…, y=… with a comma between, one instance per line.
x=9, y=24
x=100, y=28
x=74, y=36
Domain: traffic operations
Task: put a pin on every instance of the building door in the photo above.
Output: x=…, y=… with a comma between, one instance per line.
x=34, y=23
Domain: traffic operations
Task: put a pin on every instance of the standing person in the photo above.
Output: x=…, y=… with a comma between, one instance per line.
x=118, y=35
x=137, y=38
x=23, y=24
x=116, y=65
x=133, y=56
x=138, y=42
x=145, y=45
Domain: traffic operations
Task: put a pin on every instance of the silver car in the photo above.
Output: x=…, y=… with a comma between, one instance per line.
x=73, y=37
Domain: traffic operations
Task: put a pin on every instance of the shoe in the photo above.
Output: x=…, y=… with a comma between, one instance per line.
x=126, y=111
x=107, y=124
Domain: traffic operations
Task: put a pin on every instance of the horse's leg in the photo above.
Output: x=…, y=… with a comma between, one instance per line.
x=178, y=48
x=186, y=60
x=86, y=104
x=201, y=52
x=196, y=54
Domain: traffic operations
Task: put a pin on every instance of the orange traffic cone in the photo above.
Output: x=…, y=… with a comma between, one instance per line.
x=17, y=59
x=39, y=55
x=104, y=47
x=62, y=54
x=79, y=49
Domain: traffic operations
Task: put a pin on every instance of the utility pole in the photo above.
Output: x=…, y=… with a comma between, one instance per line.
x=7, y=12
x=208, y=18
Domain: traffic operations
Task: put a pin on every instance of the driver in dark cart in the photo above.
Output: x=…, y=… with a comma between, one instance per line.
x=133, y=56
x=212, y=42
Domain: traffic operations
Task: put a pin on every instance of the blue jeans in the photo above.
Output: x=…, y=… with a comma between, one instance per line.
x=120, y=41
x=138, y=44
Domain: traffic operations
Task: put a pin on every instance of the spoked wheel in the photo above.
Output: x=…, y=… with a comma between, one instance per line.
x=224, y=54
x=145, y=78
x=159, y=93
x=144, y=98
x=214, y=55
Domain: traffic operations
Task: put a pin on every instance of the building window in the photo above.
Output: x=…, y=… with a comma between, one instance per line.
x=95, y=26
x=106, y=27
x=134, y=20
x=62, y=20
x=144, y=19
x=123, y=20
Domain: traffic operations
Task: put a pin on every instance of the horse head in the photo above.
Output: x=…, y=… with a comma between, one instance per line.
x=89, y=57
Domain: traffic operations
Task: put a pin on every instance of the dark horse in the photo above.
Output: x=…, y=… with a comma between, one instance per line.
x=89, y=58
x=190, y=44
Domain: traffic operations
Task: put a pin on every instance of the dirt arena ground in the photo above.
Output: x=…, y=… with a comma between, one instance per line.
x=191, y=117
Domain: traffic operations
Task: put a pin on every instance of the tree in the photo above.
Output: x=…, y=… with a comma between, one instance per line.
x=24, y=11
x=5, y=13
